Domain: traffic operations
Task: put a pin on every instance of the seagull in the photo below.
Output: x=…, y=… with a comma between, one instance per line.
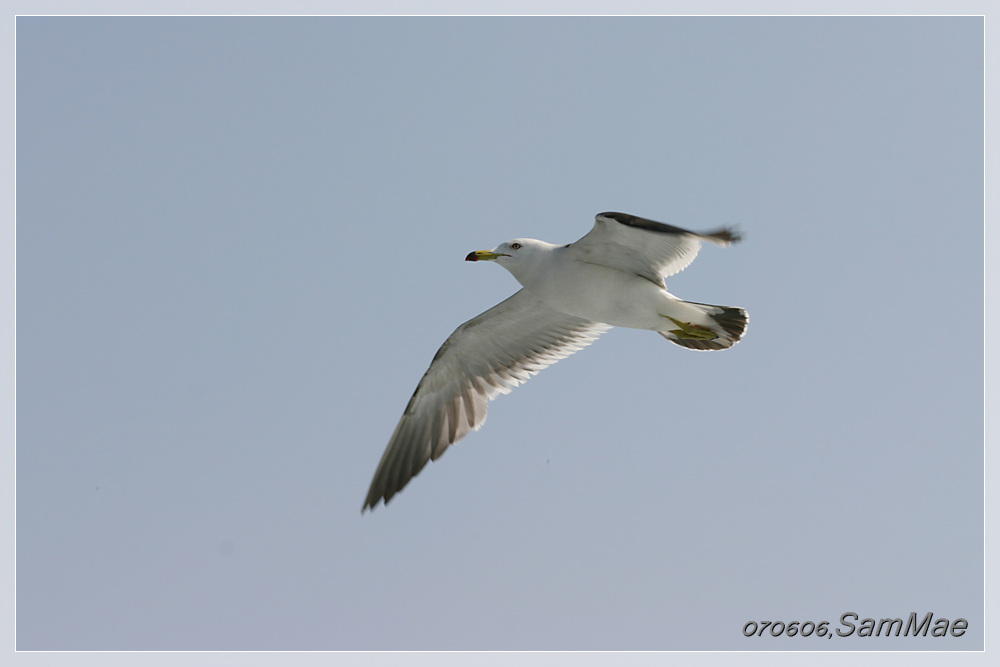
x=571, y=294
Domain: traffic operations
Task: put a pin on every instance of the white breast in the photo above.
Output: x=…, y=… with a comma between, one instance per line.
x=597, y=293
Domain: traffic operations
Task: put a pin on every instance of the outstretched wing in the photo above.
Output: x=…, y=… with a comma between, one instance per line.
x=488, y=355
x=649, y=249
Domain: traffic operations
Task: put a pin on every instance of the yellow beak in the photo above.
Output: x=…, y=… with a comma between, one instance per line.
x=478, y=255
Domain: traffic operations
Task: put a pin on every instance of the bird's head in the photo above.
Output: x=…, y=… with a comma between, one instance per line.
x=509, y=253
x=519, y=256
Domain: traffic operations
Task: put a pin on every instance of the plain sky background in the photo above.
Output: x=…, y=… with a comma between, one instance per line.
x=240, y=243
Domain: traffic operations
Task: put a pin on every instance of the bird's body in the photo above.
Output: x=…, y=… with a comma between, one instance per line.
x=599, y=293
x=571, y=294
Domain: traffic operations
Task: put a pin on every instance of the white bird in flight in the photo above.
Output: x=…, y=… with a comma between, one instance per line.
x=571, y=294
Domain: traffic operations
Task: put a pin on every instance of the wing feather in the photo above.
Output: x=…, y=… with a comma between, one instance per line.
x=487, y=356
x=647, y=248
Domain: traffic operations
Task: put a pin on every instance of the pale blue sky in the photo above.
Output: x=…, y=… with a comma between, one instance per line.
x=240, y=243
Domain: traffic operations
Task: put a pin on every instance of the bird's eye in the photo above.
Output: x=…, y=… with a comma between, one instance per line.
x=515, y=246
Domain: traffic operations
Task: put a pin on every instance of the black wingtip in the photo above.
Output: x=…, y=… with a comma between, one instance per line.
x=723, y=235
x=370, y=505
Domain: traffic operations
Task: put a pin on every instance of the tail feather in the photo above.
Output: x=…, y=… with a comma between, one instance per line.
x=729, y=325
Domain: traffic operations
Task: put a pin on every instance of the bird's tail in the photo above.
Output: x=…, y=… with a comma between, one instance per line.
x=711, y=328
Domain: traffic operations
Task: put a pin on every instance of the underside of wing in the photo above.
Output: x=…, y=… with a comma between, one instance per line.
x=487, y=356
x=647, y=248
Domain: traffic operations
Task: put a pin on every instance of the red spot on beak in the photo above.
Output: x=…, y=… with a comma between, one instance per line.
x=471, y=257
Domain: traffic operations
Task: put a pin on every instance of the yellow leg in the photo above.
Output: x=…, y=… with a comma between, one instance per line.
x=689, y=330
